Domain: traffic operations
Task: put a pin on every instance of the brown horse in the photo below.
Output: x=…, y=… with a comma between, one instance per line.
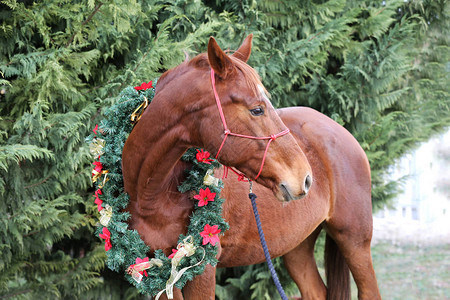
x=183, y=114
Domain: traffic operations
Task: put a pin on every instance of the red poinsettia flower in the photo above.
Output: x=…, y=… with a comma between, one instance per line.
x=95, y=129
x=98, y=168
x=173, y=253
x=210, y=234
x=203, y=156
x=106, y=235
x=204, y=197
x=141, y=260
x=98, y=201
x=144, y=86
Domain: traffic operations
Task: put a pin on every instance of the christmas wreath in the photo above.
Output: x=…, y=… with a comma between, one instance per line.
x=126, y=251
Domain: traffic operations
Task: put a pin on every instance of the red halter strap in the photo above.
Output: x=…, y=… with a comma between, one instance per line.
x=227, y=132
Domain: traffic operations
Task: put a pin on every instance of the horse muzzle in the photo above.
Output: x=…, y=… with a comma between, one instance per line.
x=287, y=194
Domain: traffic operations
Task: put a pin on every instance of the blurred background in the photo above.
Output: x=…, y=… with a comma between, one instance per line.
x=411, y=242
x=379, y=68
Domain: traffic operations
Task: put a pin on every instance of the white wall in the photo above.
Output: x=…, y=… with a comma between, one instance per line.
x=422, y=212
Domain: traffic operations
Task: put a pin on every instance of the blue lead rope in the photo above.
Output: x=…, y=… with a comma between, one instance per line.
x=264, y=246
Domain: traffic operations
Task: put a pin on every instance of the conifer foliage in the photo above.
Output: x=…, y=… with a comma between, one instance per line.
x=377, y=67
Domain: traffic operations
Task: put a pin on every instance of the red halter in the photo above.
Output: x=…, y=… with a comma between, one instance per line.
x=227, y=132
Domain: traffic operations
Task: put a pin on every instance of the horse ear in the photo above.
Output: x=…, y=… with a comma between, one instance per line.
x=243, y=53
x=218, y=59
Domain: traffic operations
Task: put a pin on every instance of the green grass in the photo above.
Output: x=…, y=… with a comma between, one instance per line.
x=408, y=272
x=412, y=272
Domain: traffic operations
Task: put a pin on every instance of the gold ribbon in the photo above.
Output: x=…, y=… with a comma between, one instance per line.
x=137, y=114
x=185, y=249
x=134, y=270
x=96, y=175
x=105, y=215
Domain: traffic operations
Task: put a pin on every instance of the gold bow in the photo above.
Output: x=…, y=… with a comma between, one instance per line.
x=96, y=147
x=105, y=215
x=185, y=249
x=137, y=113
x=209, y=179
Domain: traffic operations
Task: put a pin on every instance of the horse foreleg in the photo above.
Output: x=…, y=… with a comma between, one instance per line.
x=202, y=286
x=302, y=267
x=176, y=295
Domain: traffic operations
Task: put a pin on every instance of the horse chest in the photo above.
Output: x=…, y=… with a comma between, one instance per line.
x=285, y=225
x=161, y=225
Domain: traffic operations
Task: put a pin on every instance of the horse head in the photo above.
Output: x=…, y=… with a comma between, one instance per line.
x=240, y=136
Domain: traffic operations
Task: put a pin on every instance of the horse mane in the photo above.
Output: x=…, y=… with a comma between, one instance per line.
x=201, y=61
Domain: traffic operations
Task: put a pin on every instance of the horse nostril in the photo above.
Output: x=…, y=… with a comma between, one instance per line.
x=286, y=194
x=284, y=188
x=308, y=182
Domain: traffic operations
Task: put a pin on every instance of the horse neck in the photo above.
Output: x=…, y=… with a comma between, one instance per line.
x=153, y=149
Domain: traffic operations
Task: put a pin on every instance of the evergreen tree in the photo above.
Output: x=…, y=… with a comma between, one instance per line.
x=380, y=68
x=61, y=63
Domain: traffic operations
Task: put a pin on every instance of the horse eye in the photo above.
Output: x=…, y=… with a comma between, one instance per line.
x=259, y=111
